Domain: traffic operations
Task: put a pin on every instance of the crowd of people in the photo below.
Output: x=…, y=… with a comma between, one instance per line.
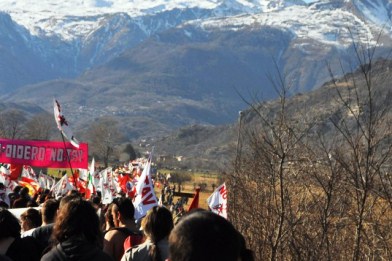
x=73, y=228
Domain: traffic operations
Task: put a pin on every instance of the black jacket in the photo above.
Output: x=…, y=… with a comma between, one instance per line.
x=24, y=249
x=76, y=249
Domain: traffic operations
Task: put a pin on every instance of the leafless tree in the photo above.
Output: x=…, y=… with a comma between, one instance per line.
x=366, y=138
x=40, y=127
x=12, y=124
x=264, y=205
x=318, y=187
x=103, y=135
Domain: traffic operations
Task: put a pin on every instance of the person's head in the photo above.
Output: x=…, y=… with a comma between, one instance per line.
x=24, y=192
x=77, y=218
x=64, y=200
x=31, y=218
x=17, y=189
x=109, y=216
x=123, y=210
x=157, y=225
x=49, y=210
x=96, y=200
x=9, y=225
x=203, y=235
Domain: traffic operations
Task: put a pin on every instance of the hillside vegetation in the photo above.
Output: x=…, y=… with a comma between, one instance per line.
x=311, y=179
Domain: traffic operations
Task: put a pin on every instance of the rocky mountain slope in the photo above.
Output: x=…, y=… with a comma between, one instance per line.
x=157, y=66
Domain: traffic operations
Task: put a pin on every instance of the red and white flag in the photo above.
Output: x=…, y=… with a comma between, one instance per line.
x=62, y=187
x=5, y=176
x=13, y=171
x=29, y=179
x=62, y=124
x=107, y=186
x=217, y=202
x=145, y=195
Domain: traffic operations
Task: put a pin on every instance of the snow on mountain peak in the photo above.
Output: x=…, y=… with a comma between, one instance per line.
x=73, y=19
x=40, y=13
x=328, y=26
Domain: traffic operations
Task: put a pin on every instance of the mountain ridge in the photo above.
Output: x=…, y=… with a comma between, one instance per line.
x=168, y=69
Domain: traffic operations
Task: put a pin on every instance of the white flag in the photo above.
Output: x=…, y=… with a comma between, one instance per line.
x=62, y=124
x=218, y=201
x=62, y=187
x=145, y=196
x=106, y=186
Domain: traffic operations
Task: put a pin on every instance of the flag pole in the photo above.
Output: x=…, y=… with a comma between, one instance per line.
x=69, y=161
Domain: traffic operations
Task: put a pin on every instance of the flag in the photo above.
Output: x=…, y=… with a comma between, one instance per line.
x=42, y=181
x=62, y=187
x=45, y=181
x=195, y=201
x=97, y=177
x=217, y=202
x=5, y=176
x=29, y=179
x=90, y=182
x=145, y=196
x=90, y=187
x=15, y=171
x=62, y=124
x=83, y=174
x=106, y=186
x=106, y=194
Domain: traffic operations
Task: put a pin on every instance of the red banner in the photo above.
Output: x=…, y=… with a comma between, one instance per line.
x=44, y=154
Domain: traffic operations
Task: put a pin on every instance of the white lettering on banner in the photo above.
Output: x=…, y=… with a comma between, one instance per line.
x=27, y=152
x=75, y=155
x=34, y=152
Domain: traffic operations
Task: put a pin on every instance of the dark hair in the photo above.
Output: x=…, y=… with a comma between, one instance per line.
x=96, y=200
x=24, y=192
x=64, y=200
x=203, y=235
x=49, y=209
x=17, y=189
x=9, y=224
x=157, y=225
x=77, y=217
x=109, y=216
x=125, y=207
x=32, y=217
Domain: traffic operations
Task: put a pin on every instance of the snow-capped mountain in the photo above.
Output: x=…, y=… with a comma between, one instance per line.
x=200, y=53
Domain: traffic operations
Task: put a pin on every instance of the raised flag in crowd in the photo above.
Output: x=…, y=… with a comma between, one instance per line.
x=217, y=202
x=45, y=181
x=195, y=201
x=62, y=124
x=29, y=179
x=106, y=185
x=90, y=182
x=145, y=195
x=62, y=187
